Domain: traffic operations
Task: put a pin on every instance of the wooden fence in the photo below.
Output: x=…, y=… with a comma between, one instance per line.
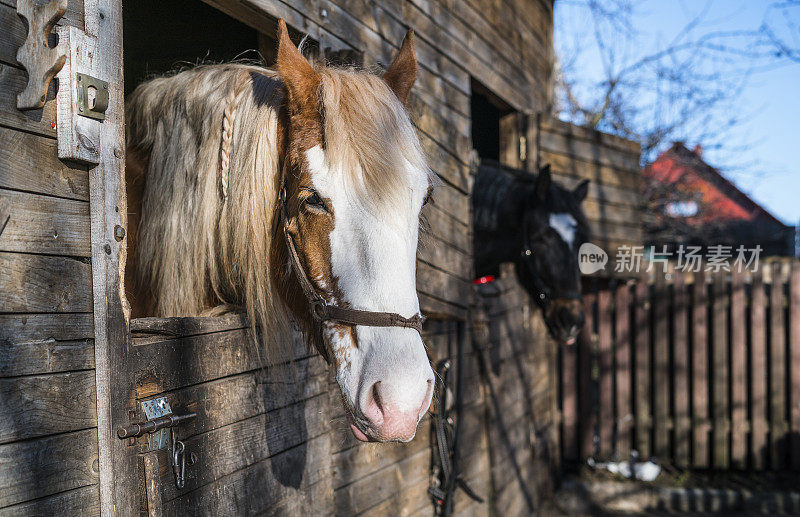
x=698, y=370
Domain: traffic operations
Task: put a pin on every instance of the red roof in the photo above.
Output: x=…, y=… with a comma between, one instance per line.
x=721, y=200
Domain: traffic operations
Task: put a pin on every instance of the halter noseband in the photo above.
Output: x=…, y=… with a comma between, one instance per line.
x=321, y=311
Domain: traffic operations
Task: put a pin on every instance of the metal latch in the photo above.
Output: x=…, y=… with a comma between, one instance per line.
x=160, y=425
x=92, y=96
x=159, y=419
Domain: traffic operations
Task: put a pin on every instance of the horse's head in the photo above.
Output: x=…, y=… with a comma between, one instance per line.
x=353, y=184
x=553, y=230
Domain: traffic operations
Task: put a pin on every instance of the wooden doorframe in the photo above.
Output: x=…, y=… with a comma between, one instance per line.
x=108, y=206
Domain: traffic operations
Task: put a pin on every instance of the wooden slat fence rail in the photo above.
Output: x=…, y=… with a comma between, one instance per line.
x=695, y=369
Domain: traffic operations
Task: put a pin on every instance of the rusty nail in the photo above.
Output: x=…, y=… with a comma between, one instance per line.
x=119, y=232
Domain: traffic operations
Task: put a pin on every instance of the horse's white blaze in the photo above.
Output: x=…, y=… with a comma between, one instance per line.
x=373, y=260
x=565, y=225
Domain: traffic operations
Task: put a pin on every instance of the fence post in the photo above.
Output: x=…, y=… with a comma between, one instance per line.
x=681, y=366
x=661, y=384
x=777, y=349
x=642, y=358
x=587, y=418
x=623, y=371
x=606, y=370
x=569, y=398
x=738, y=371
x=794, y=351
x=758, y=366
x=700, y=412
x=719, y=361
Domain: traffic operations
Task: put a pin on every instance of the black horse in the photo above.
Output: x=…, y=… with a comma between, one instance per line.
x=539, y=225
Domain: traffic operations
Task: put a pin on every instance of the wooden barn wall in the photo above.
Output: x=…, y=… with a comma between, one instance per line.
x=517, y=358
x=611, y=163
x=48, y=419
x=278, y=440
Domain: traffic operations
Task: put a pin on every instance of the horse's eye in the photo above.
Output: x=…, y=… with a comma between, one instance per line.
x=314, y=200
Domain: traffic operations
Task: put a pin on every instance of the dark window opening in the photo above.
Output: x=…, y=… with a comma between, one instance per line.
x=158, y=40
x=489, y=114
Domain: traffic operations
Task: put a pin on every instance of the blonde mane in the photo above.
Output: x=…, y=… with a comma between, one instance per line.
x=204, y=241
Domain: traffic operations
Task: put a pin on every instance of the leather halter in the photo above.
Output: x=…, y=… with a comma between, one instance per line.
x=321, y=311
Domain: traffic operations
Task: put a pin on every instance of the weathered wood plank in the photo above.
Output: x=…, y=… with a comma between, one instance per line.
x=596, y=172
x=43, y=224
x=18, y=329
x=777, y=375
x=588, y=151
x=681, y=367
x=719, y=374
x=553, y=125
x=622, y=346
x=440, y=226
x=46, y=356
x=361, y=495
x=605, y=356
x=569, y=401
x=170, y=364
x=300, y=472
x=83, y=502
x=447, y=258
x=41, y=121
x=759, y=457
x=661, y=381
x=223, y=451
x=40, y=405
x=738, y=377
x=442, y=285
x=700, y=382
x=794, y=362
x=588, y=418
x=189, y=326
x=30, y=163
x=642, y=367
x=240, y=397
x=46, y=466
x=39, y=283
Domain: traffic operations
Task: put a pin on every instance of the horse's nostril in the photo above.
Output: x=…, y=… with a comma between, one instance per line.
x=373, y=409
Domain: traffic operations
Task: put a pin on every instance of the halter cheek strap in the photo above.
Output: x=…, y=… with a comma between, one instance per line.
x=321, y=311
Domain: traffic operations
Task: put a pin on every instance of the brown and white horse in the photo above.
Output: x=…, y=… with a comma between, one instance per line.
x=278, y=191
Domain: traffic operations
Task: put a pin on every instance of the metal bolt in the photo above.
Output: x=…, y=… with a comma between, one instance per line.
x=107, y=249
x=119, y=233
x=323, y=13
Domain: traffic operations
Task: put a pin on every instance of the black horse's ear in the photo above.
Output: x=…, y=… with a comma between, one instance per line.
x=579, y=192
x=543, y=182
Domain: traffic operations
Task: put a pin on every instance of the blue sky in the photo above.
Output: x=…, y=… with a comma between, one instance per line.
x=769, y=170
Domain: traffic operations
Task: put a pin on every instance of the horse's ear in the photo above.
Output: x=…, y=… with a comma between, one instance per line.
x=402, y=73
x=543, y=182
x=301, y=80
x=579, y=193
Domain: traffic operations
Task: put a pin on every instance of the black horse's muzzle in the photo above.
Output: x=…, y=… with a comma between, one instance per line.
x=565, y=318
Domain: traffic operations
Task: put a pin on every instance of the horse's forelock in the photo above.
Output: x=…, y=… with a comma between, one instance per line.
x=369, y=137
